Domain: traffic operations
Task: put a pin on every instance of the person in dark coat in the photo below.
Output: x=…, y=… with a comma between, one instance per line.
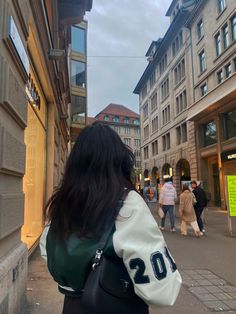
x=201, y=199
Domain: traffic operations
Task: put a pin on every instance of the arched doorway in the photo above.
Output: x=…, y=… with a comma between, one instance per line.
x=182, y=172
x=146, y=177
x=155, y=178
x=167, y=171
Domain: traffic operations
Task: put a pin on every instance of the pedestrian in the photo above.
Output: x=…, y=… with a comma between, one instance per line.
x=167, y=199
x=96, y=200
x=201, y=203
x=186, y=211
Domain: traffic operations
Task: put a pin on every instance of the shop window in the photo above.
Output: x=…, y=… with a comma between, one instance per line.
x=209, y=133
x=229, y=121
x=78, y=73
x=78, y=39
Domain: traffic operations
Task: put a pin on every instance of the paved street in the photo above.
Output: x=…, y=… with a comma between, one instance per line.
x=206, y=264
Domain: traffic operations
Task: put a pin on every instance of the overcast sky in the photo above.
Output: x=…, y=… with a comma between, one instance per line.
x=120, y=28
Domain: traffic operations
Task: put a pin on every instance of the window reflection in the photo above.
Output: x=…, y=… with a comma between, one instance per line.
x=78, y=73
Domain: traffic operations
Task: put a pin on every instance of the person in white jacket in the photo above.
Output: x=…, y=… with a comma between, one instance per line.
x=167, y=199
x=98, y=172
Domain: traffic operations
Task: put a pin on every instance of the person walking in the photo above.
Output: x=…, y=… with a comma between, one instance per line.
x=186, y=211
x=201, y=203
x=167, y=199
x=97, y=199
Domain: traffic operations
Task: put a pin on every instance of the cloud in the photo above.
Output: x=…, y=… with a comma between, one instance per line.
x=120, y=28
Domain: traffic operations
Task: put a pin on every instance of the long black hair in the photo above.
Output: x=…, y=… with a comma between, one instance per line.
x=98, y=169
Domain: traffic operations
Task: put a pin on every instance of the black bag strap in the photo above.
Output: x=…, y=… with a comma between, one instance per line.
x=104, y=239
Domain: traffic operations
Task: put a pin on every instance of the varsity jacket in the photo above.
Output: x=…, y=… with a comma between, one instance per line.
x=136, y=241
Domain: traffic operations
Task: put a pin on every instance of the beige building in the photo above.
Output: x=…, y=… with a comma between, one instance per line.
x=165, y=94
x=213, y=30
x=187, y=98
x=127, y=124
x=34, y=133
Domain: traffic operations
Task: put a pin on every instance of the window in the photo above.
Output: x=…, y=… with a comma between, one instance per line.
x=137, y=142
x=203, y=89
x=78, y=73
x=154, y=102
x=165, y=89
x=155, y=148
x=221, y=5
x=233, y=27
x=166, y=141
x=136, y=122
x=202, y=61
x=166, y=115
x=115, y=119
x=184, y=132
x=145, y=110
x=181, y=102
x=177, y=44
x=78, y=39
x=146, y=131
x=178, y=135
x=126, y=120
x=146, y=154
x=218, y=44
x=144, y=91
x=136, y=131
x=78, y=109
x=228, y=70
x=209, y=133
x=117, y=129
x=163, y=64
x=181, y=134
x=225, y=31
x=220, y=76
x=234, y=64
x=229, y=121
x=179, y=72
x=106, y=118
x=155, y=124
x=127, y=130
x=127, y=141
x=200, y=29
x=152, y=79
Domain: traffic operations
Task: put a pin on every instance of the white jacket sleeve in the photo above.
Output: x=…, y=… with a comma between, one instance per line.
x=42, y=242
x=139, y=242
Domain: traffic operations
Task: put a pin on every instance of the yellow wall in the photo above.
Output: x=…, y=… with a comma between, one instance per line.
x=35, y=175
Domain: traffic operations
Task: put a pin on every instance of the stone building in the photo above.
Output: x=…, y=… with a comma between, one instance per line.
x=34, y=133
x=165, y=94
x=127, y=124
x=187, y=98
x=213, y=111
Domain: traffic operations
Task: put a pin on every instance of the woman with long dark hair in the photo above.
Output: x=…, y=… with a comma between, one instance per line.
x=96, y=195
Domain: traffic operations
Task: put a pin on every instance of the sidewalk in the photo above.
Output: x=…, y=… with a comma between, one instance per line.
x=207, y=265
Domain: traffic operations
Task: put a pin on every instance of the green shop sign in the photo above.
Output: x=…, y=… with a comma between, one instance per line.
x=231, y=184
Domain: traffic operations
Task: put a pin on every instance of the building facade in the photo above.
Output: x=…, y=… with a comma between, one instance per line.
x=213, y=111
x=187, y=98
x=34, y=133
x=165, y=94
x=127, y=124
